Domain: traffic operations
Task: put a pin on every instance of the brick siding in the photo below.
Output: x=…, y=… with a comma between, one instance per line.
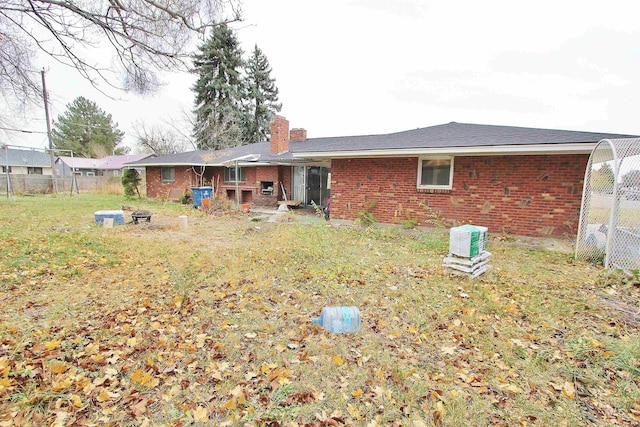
x=157, y=189
x=250, y=189
x=532, y=195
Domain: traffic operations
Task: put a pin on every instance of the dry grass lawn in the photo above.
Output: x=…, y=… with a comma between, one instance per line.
x=151, y=325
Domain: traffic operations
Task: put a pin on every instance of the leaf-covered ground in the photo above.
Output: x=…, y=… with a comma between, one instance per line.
x=152, y=325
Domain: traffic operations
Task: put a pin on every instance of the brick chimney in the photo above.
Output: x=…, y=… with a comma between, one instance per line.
x=297, y=134
x=279, y=135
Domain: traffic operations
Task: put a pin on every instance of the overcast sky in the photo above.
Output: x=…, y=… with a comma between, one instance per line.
x=356, y=67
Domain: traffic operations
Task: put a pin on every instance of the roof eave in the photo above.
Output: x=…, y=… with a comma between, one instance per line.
x=528, y=149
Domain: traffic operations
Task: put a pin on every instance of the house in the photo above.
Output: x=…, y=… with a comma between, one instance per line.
x=516, y=180
x=114, y=165
x=275, y=175
x=107, y=166
x=25, y=162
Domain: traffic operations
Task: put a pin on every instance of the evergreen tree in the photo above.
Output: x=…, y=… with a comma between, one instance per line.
x=218, y=91
x=261, y=97
x=131, y=179
x=87, y=130
x=603, y=178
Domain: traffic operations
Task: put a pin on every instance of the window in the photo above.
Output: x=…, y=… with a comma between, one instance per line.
x=230, y=174
x=4, y=169
x=435, y=173
x=34, y=171
x=168, y=174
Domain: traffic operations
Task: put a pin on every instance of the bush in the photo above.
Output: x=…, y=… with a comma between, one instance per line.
x=130, y=181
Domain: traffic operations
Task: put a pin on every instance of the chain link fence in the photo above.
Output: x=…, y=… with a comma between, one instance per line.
x=609, y=230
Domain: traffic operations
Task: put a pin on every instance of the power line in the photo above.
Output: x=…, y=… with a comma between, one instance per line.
x=21, y=130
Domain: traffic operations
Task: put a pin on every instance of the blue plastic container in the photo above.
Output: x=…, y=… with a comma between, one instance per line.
x=200, y=193
x=339, y=319
x=118, y=216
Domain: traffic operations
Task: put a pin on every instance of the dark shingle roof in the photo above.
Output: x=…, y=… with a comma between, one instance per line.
x=216, y=158
x=451, y=135
x=33, y=158
x=448, y=135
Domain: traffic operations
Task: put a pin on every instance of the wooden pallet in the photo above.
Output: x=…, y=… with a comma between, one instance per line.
x=291, y=203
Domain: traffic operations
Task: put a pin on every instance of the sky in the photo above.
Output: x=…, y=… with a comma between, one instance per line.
x=359, y=67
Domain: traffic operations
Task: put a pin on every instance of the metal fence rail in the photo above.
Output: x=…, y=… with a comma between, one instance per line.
x=609, y=228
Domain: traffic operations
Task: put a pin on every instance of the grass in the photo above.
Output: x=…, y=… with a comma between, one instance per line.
x=149, y=324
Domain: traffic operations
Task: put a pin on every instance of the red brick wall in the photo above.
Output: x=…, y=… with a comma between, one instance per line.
x=523, y=195
x=253, y=178
x=184, y=179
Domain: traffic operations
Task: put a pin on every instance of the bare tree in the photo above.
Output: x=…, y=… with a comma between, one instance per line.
x=160, y=140
x=144, y=36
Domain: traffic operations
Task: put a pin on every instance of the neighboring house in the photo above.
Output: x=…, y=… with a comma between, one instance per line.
x=107, y=166
x=114, y=165
x=25, y=162
x=515, y=180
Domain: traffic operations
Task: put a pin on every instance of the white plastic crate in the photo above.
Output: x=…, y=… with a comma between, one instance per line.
x=467, y=240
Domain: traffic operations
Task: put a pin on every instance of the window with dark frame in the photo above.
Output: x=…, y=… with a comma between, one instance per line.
x=230, y=174
x=34, y=171
x=168, y=173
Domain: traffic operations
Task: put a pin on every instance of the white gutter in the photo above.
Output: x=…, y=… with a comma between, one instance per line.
x=579, y=148
x=195, y=164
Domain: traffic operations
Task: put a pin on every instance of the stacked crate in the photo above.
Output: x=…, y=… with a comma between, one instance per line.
x=468, y=253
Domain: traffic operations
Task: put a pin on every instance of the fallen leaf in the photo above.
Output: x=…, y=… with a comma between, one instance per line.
x=58, y=368
x=448, y=350
x=231, y=404
x=140, y=407
x=76, y=401
x=200, y=414
x=337, y=360
x=141, y=377
x=568, y=390
x=52, y=344
x=103, y=397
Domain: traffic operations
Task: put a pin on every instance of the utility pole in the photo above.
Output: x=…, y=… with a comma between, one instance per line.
x=6, y=156
x=46, y=112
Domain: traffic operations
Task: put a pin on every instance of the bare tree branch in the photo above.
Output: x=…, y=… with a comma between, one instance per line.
x=144, y=36
x=160, y=140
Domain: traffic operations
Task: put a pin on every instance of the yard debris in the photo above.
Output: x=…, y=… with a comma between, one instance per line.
x=467, y=251
x=626, y=307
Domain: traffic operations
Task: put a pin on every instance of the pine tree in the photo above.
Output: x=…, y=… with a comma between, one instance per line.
x=261, y=97
x=218, y=101
x=87, y=130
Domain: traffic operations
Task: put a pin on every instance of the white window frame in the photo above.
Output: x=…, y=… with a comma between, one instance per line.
x=173, y=173
x=435, y=187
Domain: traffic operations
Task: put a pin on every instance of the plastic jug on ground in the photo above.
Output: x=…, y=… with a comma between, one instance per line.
x=339, y=319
